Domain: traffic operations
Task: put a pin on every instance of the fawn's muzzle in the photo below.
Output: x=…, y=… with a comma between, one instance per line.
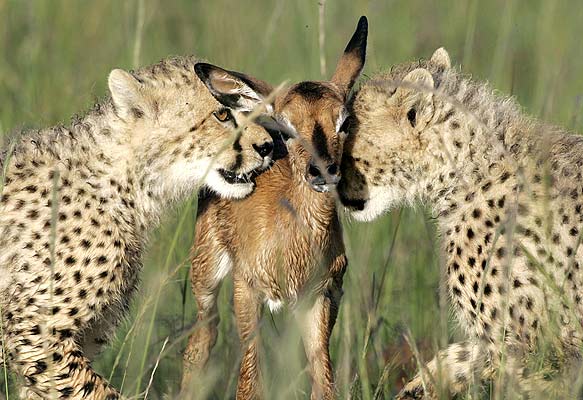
x=322, y=182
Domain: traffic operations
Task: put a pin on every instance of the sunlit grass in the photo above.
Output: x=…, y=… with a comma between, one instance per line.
x=55, y=57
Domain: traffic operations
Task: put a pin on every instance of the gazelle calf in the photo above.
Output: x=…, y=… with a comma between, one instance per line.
x=283, y=243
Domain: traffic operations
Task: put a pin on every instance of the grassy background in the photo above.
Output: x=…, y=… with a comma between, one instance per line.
x=54, y=60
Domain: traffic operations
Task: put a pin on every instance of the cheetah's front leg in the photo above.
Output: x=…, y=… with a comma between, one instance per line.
x=100, y=331
x=451, y=371
x=63, y=373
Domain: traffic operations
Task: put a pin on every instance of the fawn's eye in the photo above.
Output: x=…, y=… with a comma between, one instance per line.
x=345, y=127
x=223, y=115
x=341, y=121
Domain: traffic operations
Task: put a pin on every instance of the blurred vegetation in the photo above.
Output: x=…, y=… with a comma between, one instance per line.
x=54, y=60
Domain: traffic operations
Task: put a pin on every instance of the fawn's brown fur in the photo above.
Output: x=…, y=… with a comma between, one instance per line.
x=283, y=243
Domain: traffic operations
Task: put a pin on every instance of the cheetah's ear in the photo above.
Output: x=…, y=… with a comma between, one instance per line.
x=126, y=93
x=233, y=89
x=441, y=58
x=415, y=94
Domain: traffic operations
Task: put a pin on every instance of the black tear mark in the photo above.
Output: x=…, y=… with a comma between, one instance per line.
x=238, y=162
x=319, y=142
x=237, y=145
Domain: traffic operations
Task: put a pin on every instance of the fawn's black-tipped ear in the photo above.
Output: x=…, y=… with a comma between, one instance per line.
x=232, y=89
x=352, y=61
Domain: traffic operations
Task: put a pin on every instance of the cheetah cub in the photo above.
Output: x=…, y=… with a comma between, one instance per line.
x=78, y=202
x=507, y=194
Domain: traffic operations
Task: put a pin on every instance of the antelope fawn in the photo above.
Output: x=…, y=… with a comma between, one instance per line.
x=283, y=243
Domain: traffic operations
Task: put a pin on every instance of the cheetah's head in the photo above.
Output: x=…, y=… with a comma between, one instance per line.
x=386, y=153
x=188, y=126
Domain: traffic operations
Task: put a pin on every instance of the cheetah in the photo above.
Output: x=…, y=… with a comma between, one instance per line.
x=283, y=243
x=506, y=192
x=78, y=203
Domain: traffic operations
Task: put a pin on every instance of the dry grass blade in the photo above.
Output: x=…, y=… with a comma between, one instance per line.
x=271, y=27
x=379, y=393
x=154, y=369
x=322, y=36
x=139, y=33
x=386, y=264
x=424, y=372
x=4, y=161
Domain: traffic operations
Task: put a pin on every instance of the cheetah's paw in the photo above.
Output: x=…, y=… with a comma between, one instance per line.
x=412, y=390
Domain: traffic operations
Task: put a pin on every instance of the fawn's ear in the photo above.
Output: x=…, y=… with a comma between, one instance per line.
x=441, y=58
x=415, y=95
x=233, y=89
x=126, y=92
x=352, y=61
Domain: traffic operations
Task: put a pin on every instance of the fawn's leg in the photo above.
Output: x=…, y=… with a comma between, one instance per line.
x=206, y=274
x=316, y=324
x=248, y=313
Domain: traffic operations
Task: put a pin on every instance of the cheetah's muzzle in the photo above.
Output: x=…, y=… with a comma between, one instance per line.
x=352, y=204
x=233, y=178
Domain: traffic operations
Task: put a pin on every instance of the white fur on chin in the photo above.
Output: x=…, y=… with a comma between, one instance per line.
x=381, y=200
x=217, y=183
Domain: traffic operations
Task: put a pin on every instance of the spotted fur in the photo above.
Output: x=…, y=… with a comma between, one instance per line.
x=78, y=202
x=507, y=194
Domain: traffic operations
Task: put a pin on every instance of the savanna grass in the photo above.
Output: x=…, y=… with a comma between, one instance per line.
x=55, y=57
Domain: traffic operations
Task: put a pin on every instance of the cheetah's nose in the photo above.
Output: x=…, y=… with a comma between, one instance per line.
x=264, y=149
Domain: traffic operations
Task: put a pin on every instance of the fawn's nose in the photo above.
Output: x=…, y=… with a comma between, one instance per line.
x=332, y=176
x=264, y=149
x=332, y=170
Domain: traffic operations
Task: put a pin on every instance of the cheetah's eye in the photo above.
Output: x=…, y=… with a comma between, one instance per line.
x=412, y=117
x=223, y=115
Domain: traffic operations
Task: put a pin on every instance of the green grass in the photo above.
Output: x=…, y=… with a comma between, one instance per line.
x=54, y=60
